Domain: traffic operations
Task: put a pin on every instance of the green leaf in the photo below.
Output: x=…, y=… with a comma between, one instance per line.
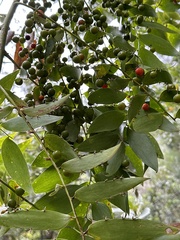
x=158, y=43
x=104, y=121
x=143, y=148
x=19, y=125
x=100, y=211
x=135, y=105
x=115, y=162
x=162, y=76
x=50, y=43
x=135, y=160
x=106, y=96
x=169, y=6
x=45, y=108
x=127, y=229
x=42, y=160
x=7, y=83
x=121, y=201
x=118, y=83
x=104, y=190
x=48, y=180
x=157, y=147
x=70, y=71
x=167, y=95
x=90, y=37
x=89, y=161
x=34, y=219
x=145, y=123
x=178, y=114
x=55, y=74
x=54, y=142
x=149, y=59
x=168, y=126
x=15, y=164
x=18, y=101
x=147, y=11
x=4, y=112
x=59, y=201
x=156, y=26
x=119, y=42
x=168, y=237
x=73, y=129
x=99, y=142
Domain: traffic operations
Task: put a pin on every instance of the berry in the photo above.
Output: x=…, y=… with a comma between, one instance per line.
x=19, y=191
x=145, y=107
x=56, y=154
x=27, y=37
x=33, y=45
x=99, y=82
x=176, y=98
x=12, y=203
x=41, y=97
x=26, y=65
x=121, y=55
x=153, y=74
x=94, y=30
x=121, y=106
x=104, y=85
x=139, y=72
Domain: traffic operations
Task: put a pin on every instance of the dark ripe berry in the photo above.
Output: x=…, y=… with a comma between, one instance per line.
x=41, y=97
x=122, y=55
x=33, y=45
x=140, y=19
x=56, y=155
x=80, y=139
x=141, y=7
x=19, y=191
x=145, y=106
x=104, y=85
x=153, y=74
x=176, y=98
x=51, y=92
x=20, y=49
x=139, y=72
x=81, y=22
x=12, y=203
x=94, y=30
x=27, y=37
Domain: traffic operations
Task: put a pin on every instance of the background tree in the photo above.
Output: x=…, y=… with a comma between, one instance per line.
x=97, y=89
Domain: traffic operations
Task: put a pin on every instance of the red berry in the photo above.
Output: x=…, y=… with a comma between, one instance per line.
x=20, y=49
x=81, y=22
x=33, y=45
x=139, y=72
x=104, y=85
x=41, y=97
x=145, y=106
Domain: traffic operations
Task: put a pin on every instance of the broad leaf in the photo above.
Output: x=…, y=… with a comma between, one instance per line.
x=135, y=105
x=104, y=190
x=15, y=164
x=167, y=95
x=121, y=201
x=106, y=96
x=168, y=126
x=143, y=148
x=128, y=229
x=19, y=125
x=43, y=109
x=104, y=121
x=99, y=141
x=34, y=219
x=71, y=71
x=178, y=114
x=18, y=101
x=54, y=142
x=4, y=112
x=90, y=37
x=149, y=59
x=119, y=42
x=7, y=83
x=89, y=161
x=162, y=76
x=100, y=211
x=59, y=201
x=156, y=26
x=158, y=43
x=42, y=160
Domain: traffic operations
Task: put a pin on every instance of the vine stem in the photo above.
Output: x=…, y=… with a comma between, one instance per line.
x=49, y=156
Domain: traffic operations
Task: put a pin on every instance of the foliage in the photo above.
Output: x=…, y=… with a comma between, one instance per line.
x=92, y=70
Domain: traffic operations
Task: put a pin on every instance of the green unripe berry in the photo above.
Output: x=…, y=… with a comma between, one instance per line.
x=12, y=203
x=19, y=191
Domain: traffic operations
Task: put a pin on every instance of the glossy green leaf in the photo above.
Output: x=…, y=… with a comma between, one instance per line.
x=4, y=112
x=156, y=26
x=162, y=76
x=158, y=43
x=143, y=148
x=169, y=6
x=104, y=190
x=54, y=142
x=118, y=83
x=71, y=71
x=89, y=161
x=48, y=180
x=100, y=211
x=42, y=160
x=59, y=201
x=34, y=219
x=149, y=122
x=50, y=43
x=147, y=11
x=106, y=96
x=104, y=121
x=19, y=125
x=149, y=59
x=55, y=74
x=121, y=201
x=7, y=82
x=157, y=147
x=15, y=164
x=119, y=42
x=127, y=229
x=168, y=126
x=135, y=105
x=99, y=141
x=167, y=95
x=45, y=108
x=135, y=161
x=18, y=101
x=102, y=70
x=90, y=37
x=115, y=162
